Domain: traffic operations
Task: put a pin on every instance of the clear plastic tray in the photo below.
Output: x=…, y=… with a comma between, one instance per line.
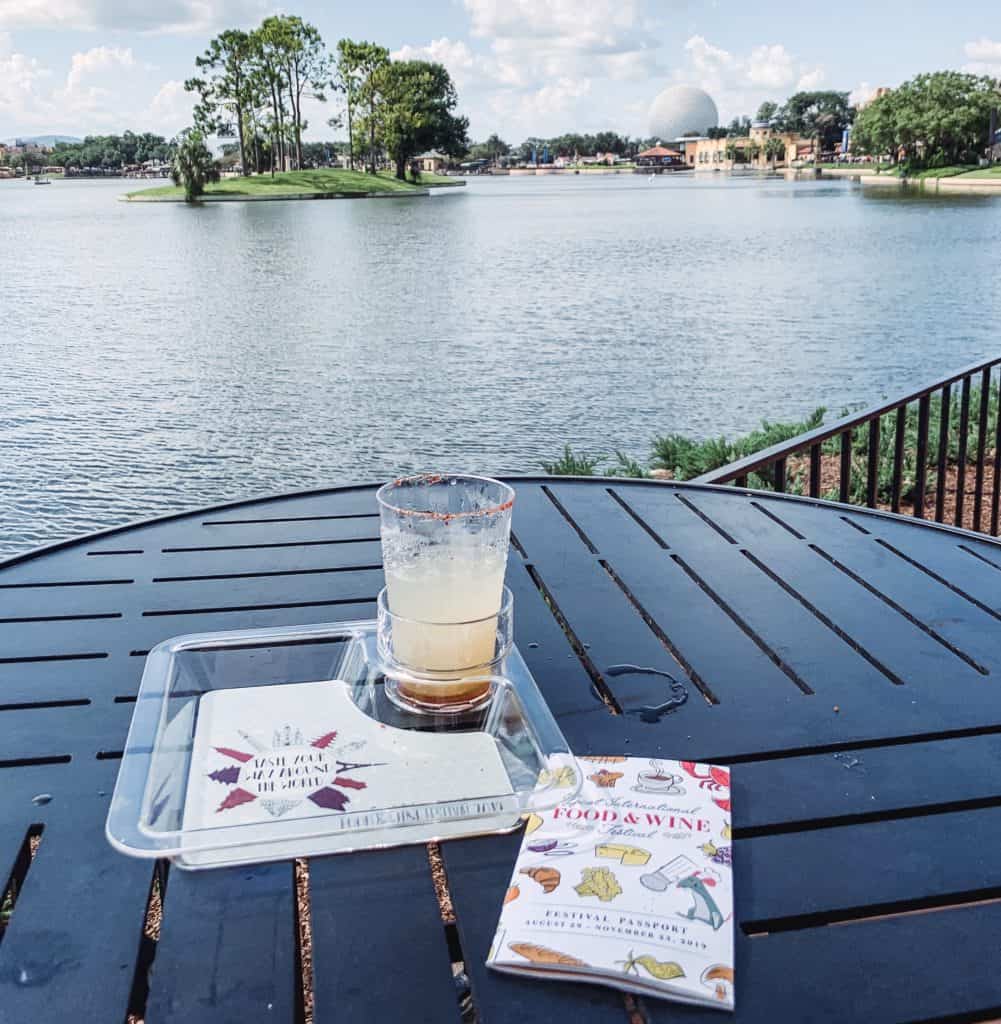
x=512, y=756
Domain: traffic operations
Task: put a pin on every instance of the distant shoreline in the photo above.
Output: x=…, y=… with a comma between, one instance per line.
x=970, y=183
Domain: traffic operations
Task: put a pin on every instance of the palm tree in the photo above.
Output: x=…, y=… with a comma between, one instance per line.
x=775, y=149
x=730, y=151
x=193, y=166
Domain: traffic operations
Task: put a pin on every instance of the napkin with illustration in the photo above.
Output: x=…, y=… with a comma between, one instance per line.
x=629, y=884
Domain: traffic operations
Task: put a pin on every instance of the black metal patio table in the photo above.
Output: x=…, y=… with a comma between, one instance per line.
x=845, y=663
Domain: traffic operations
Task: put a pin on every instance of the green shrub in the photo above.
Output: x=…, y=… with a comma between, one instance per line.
x=571, y=464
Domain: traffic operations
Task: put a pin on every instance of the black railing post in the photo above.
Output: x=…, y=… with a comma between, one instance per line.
x=996, y=490
x=898, y=458
x=985, y=397
x=964, y=429
x=815, y=471
x=943, y=453
x=780, y=475
x=921, y=472
x=845, y=476
x=872, y=476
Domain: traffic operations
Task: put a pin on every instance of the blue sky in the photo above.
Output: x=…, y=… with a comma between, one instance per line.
x=522, y=66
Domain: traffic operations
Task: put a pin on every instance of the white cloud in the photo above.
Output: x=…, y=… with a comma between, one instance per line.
x=21, y=78
x=589, y=26
x=97, y=59
x=533, y=66
x=469, y=70
x=739, y=83
x=810, y=80
x=985, y=57
x=192, y=16
x=862, y=93
x=547, y=110
x=105, y=89
x=170, y=109
x=984, y=49
x=771, y=67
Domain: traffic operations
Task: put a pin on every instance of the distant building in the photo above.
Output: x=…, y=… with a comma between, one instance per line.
x=432, y=162
x=724, y=154
x=660, y=157
x=687, y=146
x=875, y=95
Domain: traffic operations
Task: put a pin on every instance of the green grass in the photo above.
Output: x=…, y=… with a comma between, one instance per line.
x=860, y=168
x=965, y=171
x=323, y=181
x=984, y=172
x=951, y=171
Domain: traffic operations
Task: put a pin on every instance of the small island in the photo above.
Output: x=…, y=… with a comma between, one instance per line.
x=319, y=183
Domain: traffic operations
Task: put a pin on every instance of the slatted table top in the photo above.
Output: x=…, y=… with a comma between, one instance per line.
x=847, y=665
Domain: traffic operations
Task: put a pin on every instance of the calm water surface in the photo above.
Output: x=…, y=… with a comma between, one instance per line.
x=158, y=358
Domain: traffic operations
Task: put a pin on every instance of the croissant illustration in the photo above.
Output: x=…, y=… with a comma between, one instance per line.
x=548, y=878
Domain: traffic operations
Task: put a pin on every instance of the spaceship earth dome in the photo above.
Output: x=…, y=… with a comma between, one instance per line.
x=680, y=109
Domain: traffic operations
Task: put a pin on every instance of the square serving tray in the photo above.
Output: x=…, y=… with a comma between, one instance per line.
x=434, y=777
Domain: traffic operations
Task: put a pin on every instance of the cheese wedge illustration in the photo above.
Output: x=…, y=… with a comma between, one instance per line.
x=631, y=856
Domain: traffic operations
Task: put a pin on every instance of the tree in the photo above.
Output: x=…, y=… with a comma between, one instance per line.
x=821, y=116
x=357, y=63
x=193, y=167
x=766, y=111
x=414, y=111
x=271, y=46
x=225, y=92
x=493, y=149
x=306, y=66
x=934, y=119
x=111, y=151
x=496, y=147
x=775, y=149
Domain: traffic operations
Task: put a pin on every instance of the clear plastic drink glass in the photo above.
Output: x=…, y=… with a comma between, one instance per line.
x=445, y=541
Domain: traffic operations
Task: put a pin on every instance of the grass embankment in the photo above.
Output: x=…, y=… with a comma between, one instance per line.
x=856, y=168
x=965, y=171
x=320, y=182
x=677, y=457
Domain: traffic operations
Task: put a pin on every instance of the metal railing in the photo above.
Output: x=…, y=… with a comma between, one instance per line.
x=882, y=458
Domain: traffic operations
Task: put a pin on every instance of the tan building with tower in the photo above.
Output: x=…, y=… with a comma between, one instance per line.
x=718, y=154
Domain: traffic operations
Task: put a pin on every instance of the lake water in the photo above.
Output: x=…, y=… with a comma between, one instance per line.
x=157, y=358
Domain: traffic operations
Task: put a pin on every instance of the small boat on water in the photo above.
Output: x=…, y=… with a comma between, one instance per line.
x=39, y=180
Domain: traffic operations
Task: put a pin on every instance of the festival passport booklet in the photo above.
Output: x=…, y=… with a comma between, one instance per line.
x=629, y=884
x=296, y=752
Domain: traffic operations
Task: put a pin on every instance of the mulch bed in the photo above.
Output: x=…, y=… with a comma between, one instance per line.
x=830, y=477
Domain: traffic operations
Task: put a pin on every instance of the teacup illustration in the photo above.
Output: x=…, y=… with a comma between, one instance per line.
x=657, y=779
